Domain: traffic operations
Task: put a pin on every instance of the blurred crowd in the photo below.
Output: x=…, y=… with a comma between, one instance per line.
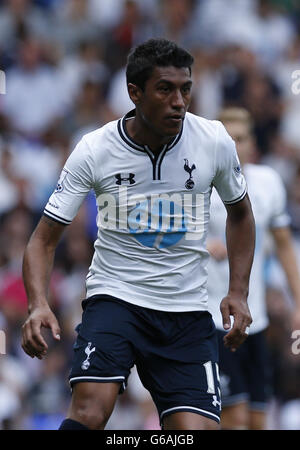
x=64, y=62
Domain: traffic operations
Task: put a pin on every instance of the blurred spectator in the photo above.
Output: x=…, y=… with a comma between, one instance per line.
x=16, y=227
x=19, y=19
x=118, y=98
x=132, y=28
x=48, y=397
x=14, y=381
x=276, y=32
x=46, y=4
x=208, y=83
x=262, y=98
x=178, y=22
x=282, y=158
x=223, y=26
x=76, y=69
x=30, y=86
x=286, y=365
x=9, y=184
x=24, y=176
x=245, y=83
x=253, y=24
x=73, y=24
x=294, y=204
x=89, y=112
x=106, y=13
x=284, y=69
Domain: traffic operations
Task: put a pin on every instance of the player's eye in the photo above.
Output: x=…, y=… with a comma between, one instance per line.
x=164, y=89
x=186, y=89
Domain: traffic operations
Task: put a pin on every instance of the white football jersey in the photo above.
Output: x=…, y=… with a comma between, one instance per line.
x=268, y=198
x=153, y=211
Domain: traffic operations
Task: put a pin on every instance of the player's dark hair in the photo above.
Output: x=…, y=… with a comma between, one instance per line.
x=154, y=53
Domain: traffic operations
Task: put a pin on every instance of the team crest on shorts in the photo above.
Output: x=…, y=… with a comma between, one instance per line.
x=88, y=351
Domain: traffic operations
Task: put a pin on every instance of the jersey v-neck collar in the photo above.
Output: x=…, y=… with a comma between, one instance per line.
x=156, y=159
x=143, y=148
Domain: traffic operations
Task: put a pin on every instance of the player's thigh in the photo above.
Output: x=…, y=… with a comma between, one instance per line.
x=103, y=357
x=93, y=403
x=103, y=352
x=235, y=417
x=189, y=421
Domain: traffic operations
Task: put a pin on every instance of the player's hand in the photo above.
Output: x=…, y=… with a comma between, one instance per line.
x=238, y=308
x=33, y=342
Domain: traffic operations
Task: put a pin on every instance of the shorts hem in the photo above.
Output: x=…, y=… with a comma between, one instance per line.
x=192, y=409
x=94, y=379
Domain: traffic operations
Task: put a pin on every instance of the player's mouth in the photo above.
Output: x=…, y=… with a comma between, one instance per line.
x=175, y=119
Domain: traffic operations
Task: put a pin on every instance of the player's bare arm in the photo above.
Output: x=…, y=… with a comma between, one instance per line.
x=286, y=255
x=37, y=267
x=240, y=237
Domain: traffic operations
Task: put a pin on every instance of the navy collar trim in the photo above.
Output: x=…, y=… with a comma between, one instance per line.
x=144, y=148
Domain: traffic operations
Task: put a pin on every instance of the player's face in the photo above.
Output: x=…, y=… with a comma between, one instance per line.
x=241, y=135
x=165, y=100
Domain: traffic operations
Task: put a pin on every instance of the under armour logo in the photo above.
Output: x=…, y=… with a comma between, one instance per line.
x=189, y=184
x=216, y=402
x=125, y=178
x=88, y=351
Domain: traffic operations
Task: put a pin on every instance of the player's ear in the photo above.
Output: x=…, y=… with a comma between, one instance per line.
x=134, y=92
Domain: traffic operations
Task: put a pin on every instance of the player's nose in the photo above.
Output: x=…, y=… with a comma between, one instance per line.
x=177, y=100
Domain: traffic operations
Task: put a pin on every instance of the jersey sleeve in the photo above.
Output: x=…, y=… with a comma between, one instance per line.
x=280, y=218
x=75, y=182
x=229, y=180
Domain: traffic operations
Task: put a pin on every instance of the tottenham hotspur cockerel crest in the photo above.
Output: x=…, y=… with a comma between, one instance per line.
x=189, y=184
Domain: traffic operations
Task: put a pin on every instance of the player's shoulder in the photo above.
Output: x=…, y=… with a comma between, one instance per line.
x=199, y=123
x=210, y=133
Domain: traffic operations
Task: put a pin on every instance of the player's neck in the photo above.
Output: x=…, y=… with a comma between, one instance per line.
x=141, y=132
